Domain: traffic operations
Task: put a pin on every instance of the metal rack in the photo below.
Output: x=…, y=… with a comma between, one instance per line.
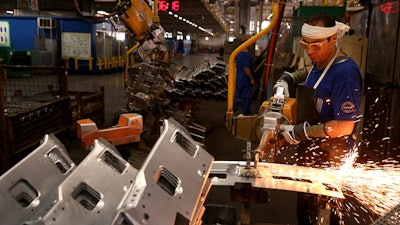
x=31, y=105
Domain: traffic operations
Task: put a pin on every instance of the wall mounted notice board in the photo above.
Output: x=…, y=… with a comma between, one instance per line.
x=4, y=34
x=75, y=45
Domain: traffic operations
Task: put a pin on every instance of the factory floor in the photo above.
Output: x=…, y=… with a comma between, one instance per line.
x=281, y=208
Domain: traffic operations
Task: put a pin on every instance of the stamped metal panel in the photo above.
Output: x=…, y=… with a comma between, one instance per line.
x=276, y=176
x=92, y=193
x=172, y=184
x=390, y=218
x=27, y=187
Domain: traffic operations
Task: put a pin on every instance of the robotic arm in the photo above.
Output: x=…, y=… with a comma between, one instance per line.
x=143, y=24
x=139, y=21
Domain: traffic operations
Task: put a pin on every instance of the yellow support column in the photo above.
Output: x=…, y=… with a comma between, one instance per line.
x=120, y=63
x=114, y=62
x=99, y=64
x=106, y=63
x=91, y=63
x=76, y=64
x=66, y=63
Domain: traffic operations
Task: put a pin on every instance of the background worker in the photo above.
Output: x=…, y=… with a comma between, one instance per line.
x=244, y=82
x=330, y=98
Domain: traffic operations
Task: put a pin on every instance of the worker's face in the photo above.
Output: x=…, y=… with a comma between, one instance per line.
x=319, y=50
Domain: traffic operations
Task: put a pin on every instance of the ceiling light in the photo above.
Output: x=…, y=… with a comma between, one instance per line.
x=191, y=23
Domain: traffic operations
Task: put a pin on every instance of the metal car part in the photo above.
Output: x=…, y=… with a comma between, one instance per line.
x=127, y=130
x=23, y=190
x=277, y=176
x=92, y=193
x=172, y=183
x=390, y=218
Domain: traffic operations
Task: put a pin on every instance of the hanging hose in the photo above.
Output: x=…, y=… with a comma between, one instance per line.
x=271, y=50
x=232, y=64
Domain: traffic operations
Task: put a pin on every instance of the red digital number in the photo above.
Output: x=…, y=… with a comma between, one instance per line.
x=163, y=5
x=175, y=6
x=390, y=8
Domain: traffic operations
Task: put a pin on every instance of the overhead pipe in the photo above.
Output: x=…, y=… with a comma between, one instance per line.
x=232, y=64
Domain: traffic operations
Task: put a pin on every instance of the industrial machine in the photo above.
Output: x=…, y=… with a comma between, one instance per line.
x=149, y=93
x=143, y=24
x=152, y=90
x=263, y=132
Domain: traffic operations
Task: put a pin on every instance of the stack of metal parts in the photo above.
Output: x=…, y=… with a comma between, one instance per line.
x=46, y=187
x=146, y=87
x=206, y=80
x=147, y=91
x=152, y=93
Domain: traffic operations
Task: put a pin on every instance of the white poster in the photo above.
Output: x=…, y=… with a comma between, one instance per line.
x=4, y=34
x=76, y=45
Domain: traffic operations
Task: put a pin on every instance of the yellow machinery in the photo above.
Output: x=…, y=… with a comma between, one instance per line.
x=144, y=25
x=263, y=127
x=137, y=17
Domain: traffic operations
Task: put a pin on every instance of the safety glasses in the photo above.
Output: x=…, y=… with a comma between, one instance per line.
x=312, y=46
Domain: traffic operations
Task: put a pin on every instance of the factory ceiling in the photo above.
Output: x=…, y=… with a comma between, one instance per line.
x=189, y=12
x=211, y=15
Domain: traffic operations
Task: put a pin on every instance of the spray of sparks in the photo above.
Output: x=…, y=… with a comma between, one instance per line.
x=375, y=186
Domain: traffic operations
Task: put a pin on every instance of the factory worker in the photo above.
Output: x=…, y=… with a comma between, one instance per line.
x=328, y=97
x=244, y=82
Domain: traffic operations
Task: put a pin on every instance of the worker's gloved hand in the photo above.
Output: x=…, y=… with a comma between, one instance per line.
x=286, y=80
x=294, y=134
x=284, y=85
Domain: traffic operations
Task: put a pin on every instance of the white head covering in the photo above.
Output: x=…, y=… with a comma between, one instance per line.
x=317, y=32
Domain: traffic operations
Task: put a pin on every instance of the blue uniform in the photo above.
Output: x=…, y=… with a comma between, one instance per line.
x=338, y=96
x=244, y=89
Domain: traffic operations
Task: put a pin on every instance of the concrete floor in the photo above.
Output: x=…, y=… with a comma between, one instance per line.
x=281, y=207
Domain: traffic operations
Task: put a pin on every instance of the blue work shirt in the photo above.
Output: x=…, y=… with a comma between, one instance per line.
x=338, y=96
x=243, y=59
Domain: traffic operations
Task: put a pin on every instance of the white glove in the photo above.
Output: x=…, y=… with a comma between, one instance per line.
x=294, y=134
x=284, y=81
x=284, y=85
